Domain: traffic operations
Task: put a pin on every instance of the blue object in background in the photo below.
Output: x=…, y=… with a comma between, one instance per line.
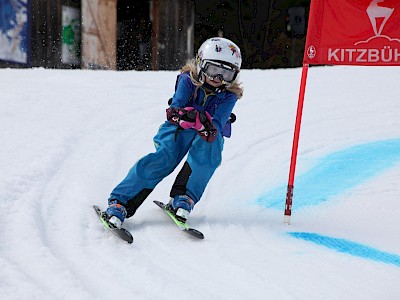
x=15, y=28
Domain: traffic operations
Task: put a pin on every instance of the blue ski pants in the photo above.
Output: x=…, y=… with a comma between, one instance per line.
x=171, y=147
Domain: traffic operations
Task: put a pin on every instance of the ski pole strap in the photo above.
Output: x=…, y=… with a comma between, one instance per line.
x=177, y=132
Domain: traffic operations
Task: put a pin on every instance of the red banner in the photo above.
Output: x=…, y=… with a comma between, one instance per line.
x=353, y=32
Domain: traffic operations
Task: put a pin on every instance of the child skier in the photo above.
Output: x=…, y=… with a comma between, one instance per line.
x=198, y=117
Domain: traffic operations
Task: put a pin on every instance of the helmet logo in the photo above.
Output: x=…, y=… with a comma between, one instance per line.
x=218, y=48
x=234, y=50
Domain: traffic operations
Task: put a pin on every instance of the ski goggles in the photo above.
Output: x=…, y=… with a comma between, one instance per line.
x=223, y=72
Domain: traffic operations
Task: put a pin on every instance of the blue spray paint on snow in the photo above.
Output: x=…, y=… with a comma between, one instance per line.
x=349, y=247
x=337, y=173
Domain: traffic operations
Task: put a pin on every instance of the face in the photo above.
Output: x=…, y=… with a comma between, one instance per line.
x=216, y=82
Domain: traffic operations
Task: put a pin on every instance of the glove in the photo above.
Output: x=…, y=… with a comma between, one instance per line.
x=183, y=117
x=205, y=127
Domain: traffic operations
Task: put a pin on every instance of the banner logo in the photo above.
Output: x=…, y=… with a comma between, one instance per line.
x=311, y=52
x=377, y=49
x=378, y=16
x=376, y=12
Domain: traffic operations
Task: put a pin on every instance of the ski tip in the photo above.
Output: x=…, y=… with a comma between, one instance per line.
x=97, y=210
x=195, y=233
x=128, y=238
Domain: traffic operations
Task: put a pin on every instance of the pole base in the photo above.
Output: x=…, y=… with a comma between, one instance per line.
x=286, y=219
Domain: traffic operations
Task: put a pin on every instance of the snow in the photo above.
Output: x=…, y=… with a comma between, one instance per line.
x=69, y=136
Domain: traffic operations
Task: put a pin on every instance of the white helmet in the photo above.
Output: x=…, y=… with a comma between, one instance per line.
x=219, y=57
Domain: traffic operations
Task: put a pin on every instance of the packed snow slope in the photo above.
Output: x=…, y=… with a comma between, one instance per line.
x=69, y=136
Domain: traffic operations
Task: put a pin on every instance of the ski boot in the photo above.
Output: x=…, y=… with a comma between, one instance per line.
x=181, y=206
x=115, y=213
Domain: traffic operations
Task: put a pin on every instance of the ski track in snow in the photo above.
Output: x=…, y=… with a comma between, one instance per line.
x=70, y=136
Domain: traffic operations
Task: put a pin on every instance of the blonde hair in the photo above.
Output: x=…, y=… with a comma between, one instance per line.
x=191, y=68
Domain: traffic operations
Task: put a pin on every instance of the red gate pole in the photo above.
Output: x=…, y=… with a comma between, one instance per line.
x=289, y=194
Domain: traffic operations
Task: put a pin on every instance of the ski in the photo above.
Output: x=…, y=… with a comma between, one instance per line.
x=181, y=225
x=122, y=233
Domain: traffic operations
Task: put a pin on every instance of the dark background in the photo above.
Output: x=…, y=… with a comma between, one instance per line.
x=154, y=35
x=259, y=27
